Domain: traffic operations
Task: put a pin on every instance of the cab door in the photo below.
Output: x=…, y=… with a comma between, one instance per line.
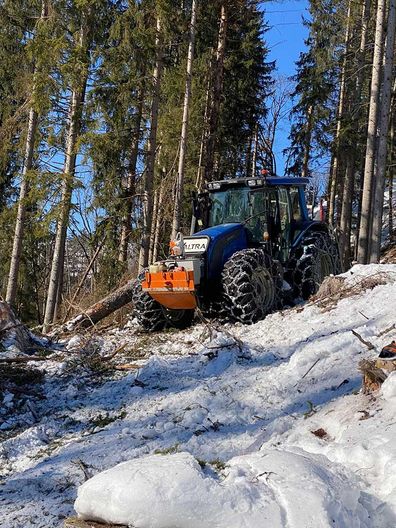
x=285, y=223
x=298, y=214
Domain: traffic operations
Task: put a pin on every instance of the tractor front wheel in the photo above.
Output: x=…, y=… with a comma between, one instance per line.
x=248, y=284
x=152, y=316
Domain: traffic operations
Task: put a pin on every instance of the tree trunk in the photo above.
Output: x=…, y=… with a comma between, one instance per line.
x=378, y=201
x=131, y=183
x=307, y=143
x=334, y=208
x=366, y=218
x=254, y=152
x=346, y=213
x=76, y=104
x=217, y=91
x=12, y=283
x=154, y=223
x=205, y=130
x=348, y=194
x=21, y=214
x=158, y=223
x=392, y=166
x=151, y=152
x=391, y=180
x=184, y=130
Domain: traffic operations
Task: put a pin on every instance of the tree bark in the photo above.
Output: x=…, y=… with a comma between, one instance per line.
x=205, y=129
x=76, y=104
x=368, y=179
x=157, y=229
x=378, y=199
x=12, y=283
x=151, y=152
x=307, y=143
x=392, y=167
x=349, y=182
x=390, y=216
x=254, y=152
x=131, y=183
x=216, y=94
x=334, y=206
x=184, y=130
x=154, y=223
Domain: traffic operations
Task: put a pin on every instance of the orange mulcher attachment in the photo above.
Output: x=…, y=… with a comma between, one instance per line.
x=173, y=289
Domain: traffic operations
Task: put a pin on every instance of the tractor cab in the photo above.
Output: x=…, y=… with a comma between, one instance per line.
x=272, y=210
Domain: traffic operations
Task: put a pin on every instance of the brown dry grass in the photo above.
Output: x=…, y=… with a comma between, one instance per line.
x=333, y=289
x=389, y=255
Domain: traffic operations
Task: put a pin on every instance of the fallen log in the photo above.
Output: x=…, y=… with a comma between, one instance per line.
x=103, y=308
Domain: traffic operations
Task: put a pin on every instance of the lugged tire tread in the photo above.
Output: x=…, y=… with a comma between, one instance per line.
x=240, y=297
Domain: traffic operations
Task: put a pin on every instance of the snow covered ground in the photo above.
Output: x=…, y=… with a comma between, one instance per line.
x=236, y=426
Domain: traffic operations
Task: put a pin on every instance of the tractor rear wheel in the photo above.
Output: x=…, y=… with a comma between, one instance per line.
x=315, y=258
x=152, y=316
x=249, y=287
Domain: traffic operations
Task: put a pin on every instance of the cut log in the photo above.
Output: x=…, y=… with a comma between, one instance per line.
x=95, y=313
x=12, y=330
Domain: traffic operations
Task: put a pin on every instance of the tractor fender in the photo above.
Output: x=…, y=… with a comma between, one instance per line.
x=310, y=227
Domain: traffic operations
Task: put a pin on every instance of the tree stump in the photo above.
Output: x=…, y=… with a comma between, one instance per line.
x=11, y=329
x=375, y=373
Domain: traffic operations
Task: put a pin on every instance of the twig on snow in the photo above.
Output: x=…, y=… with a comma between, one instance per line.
x=369, y=345
x=311, y=367
x=83, y=466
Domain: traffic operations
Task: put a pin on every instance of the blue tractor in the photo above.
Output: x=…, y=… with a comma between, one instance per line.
x=252, y=249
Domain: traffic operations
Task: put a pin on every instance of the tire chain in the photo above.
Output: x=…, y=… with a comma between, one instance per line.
x=240, y=298
x=147, y=311
x=300, y=266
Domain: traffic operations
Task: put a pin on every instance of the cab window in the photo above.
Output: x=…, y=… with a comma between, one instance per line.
x=295, y=204
x=263, y=214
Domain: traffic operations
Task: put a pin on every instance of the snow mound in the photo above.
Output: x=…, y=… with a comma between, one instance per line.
x=388, y=389
x=269, y=489
x=361, y=271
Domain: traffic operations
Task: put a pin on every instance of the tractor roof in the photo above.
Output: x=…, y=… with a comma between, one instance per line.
x=273, y=181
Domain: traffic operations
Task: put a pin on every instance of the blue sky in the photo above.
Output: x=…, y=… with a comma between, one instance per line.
x=285, y=40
